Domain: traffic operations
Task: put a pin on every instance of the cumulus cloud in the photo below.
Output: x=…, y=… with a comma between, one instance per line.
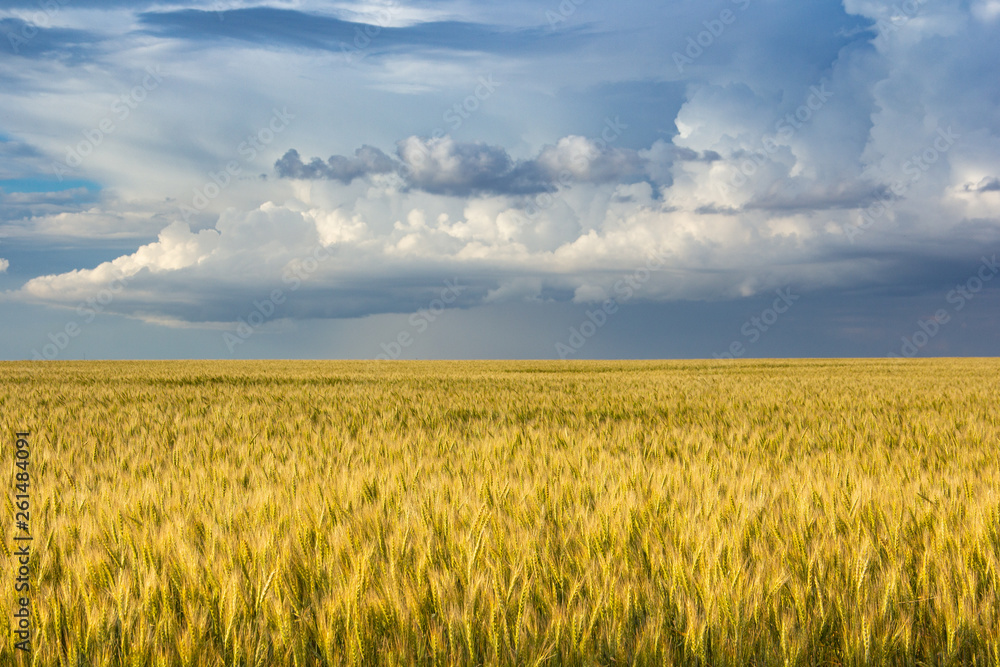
x=337, y=261
x=177, y=248
x=366, y=160
x=444, y=166
x=437, y=165
x=4, y=265
x=576, y=158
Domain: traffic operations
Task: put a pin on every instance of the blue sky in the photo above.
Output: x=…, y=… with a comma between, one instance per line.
x=571, y=179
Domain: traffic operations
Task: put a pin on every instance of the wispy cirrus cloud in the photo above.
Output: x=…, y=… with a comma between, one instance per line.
x=299, y=29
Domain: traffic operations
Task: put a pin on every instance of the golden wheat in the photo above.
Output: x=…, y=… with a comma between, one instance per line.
x=357, y=513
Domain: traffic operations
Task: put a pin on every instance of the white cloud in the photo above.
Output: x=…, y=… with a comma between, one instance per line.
x=986, y=11
x=177, y=248
x=588, y=160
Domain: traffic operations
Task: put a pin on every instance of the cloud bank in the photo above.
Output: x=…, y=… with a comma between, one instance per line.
x=838, y=147
x=444, y=166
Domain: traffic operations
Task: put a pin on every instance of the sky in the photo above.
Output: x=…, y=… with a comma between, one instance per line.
x=535, y=179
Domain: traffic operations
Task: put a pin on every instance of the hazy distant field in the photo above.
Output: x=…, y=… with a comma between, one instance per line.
x=326, y=513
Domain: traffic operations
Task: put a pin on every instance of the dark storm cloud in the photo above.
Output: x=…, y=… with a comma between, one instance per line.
x=459, y=169
x=814, y=198
x=366, y=160
x=444, y=166
x=463, y=169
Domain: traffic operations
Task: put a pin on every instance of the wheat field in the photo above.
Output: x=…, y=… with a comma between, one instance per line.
x=507, y=513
